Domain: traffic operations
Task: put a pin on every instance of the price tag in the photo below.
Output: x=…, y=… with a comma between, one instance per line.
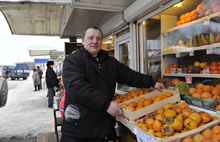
x=206, y=21
x=142, y=137
x=179, y=70
x=191, y=53
x=206, y=71
x=173, y=70
x=177, y=54
x=188, y=79
x=216, y=45
x=209, y=50
x=170, y=88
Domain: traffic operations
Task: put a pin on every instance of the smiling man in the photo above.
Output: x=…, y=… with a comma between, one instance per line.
x=90, y=78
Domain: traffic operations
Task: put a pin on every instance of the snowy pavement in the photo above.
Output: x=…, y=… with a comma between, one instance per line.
x=26, y=113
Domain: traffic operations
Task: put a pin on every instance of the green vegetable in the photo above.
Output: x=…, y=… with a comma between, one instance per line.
x=182, y=87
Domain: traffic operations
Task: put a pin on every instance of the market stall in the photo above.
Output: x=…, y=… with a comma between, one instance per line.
x=178, y=46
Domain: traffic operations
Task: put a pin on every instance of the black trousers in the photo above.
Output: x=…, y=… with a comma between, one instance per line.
x=65, y=138
x=50, y=94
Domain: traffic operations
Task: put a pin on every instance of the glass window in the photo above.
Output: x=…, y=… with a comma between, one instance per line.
x=124, y=57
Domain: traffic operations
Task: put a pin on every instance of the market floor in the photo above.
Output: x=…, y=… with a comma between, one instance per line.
x=25, y=114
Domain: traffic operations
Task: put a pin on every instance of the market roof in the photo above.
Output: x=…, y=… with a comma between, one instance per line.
x=45, y=51
x=68, y=18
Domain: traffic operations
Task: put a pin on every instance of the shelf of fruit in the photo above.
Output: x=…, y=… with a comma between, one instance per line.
x=208, y=17
x=192, y=75
x=183, y=49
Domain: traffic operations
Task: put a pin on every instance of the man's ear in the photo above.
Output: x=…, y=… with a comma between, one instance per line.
x=82, y=41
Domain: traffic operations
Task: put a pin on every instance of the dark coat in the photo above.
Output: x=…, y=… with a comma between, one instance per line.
x=91, y=86
x=40, y=73
x=51, y=78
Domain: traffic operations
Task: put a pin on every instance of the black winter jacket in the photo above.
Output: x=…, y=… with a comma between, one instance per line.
x=51, y=78
x=90, y=86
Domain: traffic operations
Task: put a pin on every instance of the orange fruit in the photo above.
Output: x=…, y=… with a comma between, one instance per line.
x=188, y=14
x=131, y=105
x=206, y=88
x=196, y=95
x=178, y=23
x=218, y=86
x=140, y=104
x=215, y=72
x=147, y=103
x=191, y=91
x=164, y=97
x=158, y=99
x=199, y=90
x=169, y=94
x=212, y=87
x=219, y=68
x=200, y=85
x=206, y=95
x=118, y=100
x=217, y=107
x=124, y=105
x=142, y=99
x=134, y=103
x=188, y=19
x=182, y=17
x=139, y=107
x=214, y=67
x=214, y=63
x=215, y=92
x=194, y=12
x=207, y=134
x=183, y=21
x=159, y=95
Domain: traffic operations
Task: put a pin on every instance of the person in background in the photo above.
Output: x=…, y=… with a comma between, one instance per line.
x=90, y=78
x=51, y=81
x=40, y=73
x=36, y=80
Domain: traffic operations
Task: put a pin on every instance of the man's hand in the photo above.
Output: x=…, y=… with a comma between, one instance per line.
x=159, y=86
x=114, y=109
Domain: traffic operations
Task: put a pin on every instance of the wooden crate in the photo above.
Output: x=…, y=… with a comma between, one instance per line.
x=177, y=138
x=151, y=108
x=146, y=110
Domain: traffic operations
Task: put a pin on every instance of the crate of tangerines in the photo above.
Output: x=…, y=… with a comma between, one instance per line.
x=135, y=108
x=173, y=122
x=204, y=96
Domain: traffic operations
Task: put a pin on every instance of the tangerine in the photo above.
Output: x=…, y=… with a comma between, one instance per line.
x=215, y=92
x=197, y=95
x=142, y=99
x=200, y=85
x=215, y=72
x=199, y=90
x=206, y=88
x=178, y=23
x=182, y=17
x=191, y=91
x=206, y=95
x=139, y=107
x=169, y=94
x=147, y=103
x=214, y=67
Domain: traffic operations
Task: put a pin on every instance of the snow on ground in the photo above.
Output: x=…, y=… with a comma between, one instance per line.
x=26, y=113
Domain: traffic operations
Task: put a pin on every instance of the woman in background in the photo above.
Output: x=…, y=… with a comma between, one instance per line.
x=36, y=80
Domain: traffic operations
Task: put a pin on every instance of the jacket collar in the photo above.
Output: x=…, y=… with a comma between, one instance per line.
x=102, y=54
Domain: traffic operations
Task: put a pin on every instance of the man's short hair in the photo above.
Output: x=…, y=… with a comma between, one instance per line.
x=91, y=27
x=49, y=63
x=38, y=67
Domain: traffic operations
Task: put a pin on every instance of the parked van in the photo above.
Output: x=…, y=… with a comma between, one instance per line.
x=19, y=71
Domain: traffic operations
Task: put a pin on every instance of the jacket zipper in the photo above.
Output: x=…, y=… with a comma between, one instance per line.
x=99, y=66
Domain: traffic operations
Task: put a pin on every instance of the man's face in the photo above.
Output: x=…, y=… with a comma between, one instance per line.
x=93, y=41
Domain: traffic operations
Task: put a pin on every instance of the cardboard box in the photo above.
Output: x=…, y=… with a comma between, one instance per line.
x=202, y=103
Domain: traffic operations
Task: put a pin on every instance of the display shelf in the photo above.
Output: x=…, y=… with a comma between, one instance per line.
x=206, y=18
x=192, y=75
x=190, y=49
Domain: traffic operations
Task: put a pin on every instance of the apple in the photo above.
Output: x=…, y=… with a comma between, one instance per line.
x=201, y=15
x=201, y=8
x=176, y=81
x=214, y=4
x=208, y=12
x=217, y=39
x=216, y=9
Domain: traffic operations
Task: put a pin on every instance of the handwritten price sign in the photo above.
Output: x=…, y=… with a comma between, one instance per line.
x=142, y=137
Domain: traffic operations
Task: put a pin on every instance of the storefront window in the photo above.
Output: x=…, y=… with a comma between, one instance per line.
x=124, y=57
x=108, y=45
x=151, y=46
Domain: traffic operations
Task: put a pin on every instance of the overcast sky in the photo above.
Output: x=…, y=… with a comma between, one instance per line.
x=13, y=47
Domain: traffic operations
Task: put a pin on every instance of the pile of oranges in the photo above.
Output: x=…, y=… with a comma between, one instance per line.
x=132, y=94
x=205, y=91
x=173, y=120
x=211, y=134
x=214, y=68
x=143, y=102
x=188, y=17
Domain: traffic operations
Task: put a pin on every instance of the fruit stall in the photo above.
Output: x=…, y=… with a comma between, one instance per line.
x=189, y=44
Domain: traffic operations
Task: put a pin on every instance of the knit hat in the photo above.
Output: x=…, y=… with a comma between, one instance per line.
x=49, y=63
